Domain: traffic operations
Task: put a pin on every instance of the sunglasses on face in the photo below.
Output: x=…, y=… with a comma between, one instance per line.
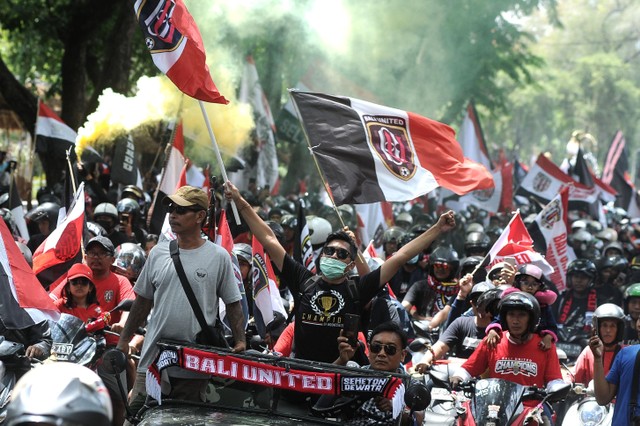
x=376, y=347
x=340, y=252
x=174, y=208
x=79, y=281
x=529, y=283
x=99, y=255
x=441, y=265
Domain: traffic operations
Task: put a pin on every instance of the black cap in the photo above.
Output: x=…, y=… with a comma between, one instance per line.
x=104, y=242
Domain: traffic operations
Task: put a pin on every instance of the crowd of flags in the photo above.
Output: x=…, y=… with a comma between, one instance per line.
x=368, y=155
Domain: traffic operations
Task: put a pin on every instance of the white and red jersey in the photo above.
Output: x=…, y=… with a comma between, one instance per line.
x=525, y=363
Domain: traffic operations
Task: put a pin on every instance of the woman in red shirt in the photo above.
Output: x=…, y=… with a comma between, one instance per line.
x=79, y=294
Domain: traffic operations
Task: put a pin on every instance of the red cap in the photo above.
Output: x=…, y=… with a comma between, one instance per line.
x=80, y=270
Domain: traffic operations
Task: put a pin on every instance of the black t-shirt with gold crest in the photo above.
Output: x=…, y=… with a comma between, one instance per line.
x=319, y=313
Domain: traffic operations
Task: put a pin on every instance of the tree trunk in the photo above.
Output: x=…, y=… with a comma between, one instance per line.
x=18, y=98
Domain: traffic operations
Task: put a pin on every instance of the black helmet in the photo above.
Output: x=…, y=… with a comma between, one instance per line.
x=478, y=289
x=519, y=300
x=45, y=211
x=277, y=229
x=289, y=221
x=582, y=266
x=60, y=393
x=445, y=254
x=243, y=251
x=392, y=234
x=96, y=230
x=614, y=312
x=489, y=300
x=476, y=242
x=469, y=264
x=128, y=206
x=129, y=260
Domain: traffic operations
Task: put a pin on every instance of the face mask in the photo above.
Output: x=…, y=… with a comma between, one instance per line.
x=332, y=268
x=414, y=259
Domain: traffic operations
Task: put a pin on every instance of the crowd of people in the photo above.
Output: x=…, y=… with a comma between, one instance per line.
x=430, y=267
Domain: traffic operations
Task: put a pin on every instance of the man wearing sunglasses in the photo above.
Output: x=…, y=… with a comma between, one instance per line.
x=323, y=301
x=208, y=271
x=387, y=350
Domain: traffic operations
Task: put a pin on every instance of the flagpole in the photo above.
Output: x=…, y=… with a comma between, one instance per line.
x=75, y=190
x=322, y=177
x=236, y=215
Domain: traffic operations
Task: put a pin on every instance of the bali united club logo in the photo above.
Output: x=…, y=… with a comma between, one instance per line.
x=389, y=136
x=68, y=245
x=160, y=34
x=483, y=194
x=551, y=214
x=541, y=182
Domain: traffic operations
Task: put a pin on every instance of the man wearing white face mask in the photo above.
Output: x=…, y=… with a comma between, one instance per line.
x=322, y=301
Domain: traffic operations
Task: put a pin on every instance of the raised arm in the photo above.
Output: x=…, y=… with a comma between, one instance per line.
x=258, y=227
x=445, y=223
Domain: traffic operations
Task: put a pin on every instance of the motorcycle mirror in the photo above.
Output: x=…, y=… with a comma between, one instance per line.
x=558, y=390
x=418, y=345
x=124, y=305
x=417, y=397
x=562, y=355
x=114, y=361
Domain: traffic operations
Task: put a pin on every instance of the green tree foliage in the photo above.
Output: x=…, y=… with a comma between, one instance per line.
x=590, y=82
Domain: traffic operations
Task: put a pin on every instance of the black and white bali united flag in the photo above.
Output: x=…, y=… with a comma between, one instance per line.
x=371, y=153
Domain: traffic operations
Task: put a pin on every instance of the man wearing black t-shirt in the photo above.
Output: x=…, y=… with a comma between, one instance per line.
x=322, y=302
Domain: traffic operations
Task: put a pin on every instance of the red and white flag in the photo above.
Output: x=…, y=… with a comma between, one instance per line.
x=225, y=239
x=549, y=232
x=545, y=180
x=176, y=47
x=516, y=242
x=24, y=301
x=371, y=153
x=53, y=136
x=166, y=231
x=170, y=180
x=62, y=248
x=373, y=220
x=266, y=295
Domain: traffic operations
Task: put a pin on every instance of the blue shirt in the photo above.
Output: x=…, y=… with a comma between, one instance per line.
x=621, y=375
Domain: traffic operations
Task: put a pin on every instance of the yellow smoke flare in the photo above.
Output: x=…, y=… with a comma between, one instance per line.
x=157, y=99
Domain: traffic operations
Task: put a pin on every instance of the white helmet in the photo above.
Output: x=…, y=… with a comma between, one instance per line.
x=60, y=394
x=319, y=230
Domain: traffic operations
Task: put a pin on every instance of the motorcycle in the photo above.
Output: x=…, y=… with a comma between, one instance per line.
x=586, y=409
x=572, y=341
x=499, y=402
x=84, y=344
x=442, y=409
x=13, y=364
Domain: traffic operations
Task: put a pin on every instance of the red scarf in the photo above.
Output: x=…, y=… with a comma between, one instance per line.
x=566, y=307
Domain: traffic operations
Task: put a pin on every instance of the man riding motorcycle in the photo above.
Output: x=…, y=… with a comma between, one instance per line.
x=518, y=357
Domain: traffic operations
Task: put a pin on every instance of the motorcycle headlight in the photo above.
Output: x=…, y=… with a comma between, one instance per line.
x=592, y=414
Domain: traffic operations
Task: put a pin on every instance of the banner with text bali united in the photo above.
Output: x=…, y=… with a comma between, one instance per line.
x=549, y=233
x=371, y=153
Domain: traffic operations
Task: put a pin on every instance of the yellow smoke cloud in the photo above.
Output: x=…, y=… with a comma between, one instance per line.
x=157, y=99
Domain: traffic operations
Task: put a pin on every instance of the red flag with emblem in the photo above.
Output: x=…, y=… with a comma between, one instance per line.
x=176, y=47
